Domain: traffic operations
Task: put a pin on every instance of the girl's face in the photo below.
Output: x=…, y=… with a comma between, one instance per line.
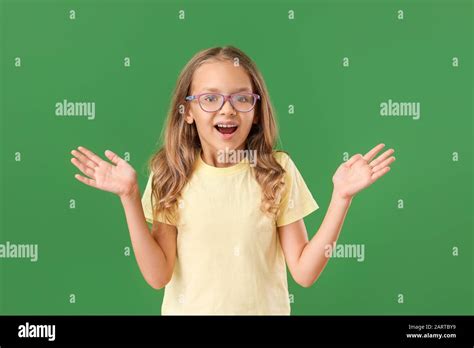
x=225, y=78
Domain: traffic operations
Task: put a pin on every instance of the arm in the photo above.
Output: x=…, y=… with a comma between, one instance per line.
x=155, y=252
x=307, y=259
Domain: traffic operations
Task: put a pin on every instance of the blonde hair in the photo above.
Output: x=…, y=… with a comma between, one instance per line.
x=172, y=165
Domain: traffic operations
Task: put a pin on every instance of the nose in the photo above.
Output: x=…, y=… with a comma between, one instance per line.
x=227, y=108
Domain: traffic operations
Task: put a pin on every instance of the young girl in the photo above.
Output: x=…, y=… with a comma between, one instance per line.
x=226, y=209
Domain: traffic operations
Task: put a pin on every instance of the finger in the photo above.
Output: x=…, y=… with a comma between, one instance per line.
x=381, y=157
x=86, y=170
x=90, y=154
x=383, y=164
x=380, y=173
x=86, y=181
x=354, y=158
x=85, y=160
x=114, y=158
x=371, y=154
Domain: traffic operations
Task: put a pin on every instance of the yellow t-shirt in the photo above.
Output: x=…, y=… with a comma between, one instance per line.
x=229, y=258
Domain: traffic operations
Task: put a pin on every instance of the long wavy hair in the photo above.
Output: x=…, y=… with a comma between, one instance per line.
x=173, y=163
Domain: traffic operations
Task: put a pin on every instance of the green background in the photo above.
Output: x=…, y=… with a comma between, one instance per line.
x=81, y=251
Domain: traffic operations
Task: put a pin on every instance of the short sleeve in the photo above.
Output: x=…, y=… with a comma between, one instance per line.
x=147, y=205
x=297, y=201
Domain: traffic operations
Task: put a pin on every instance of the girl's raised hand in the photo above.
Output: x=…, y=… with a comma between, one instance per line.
x=117, y=177
x=360, y=171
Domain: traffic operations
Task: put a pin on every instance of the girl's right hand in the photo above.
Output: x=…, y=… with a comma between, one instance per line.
x=119, y=178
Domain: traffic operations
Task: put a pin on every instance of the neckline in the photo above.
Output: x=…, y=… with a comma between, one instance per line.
x=242, y=165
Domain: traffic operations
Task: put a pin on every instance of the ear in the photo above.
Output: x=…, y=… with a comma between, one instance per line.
x=188, y=116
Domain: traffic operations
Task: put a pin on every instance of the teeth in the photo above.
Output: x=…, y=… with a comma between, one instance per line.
x=226, y=125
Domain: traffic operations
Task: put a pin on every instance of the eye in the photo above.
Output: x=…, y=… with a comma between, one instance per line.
x=210, y=97
x=242, y=98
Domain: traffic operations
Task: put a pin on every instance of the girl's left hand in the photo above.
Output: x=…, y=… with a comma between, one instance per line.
x=360, y=172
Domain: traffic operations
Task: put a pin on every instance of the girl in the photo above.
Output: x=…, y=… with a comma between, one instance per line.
x=223, y=228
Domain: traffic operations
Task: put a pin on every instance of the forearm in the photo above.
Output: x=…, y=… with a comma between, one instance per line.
x=313, y=258
x=148, y=253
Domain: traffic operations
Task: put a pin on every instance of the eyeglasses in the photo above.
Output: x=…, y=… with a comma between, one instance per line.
x=212, y=102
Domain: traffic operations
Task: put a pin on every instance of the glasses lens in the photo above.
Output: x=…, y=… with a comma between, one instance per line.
x=211, y=102
x=243, y=102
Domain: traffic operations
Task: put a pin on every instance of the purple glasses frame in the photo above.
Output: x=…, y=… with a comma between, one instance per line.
x=226, y=97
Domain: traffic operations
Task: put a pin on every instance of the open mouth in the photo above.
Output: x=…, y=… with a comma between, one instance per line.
x=226, y=129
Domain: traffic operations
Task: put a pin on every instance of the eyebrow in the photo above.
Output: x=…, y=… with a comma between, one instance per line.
x=241, y=89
